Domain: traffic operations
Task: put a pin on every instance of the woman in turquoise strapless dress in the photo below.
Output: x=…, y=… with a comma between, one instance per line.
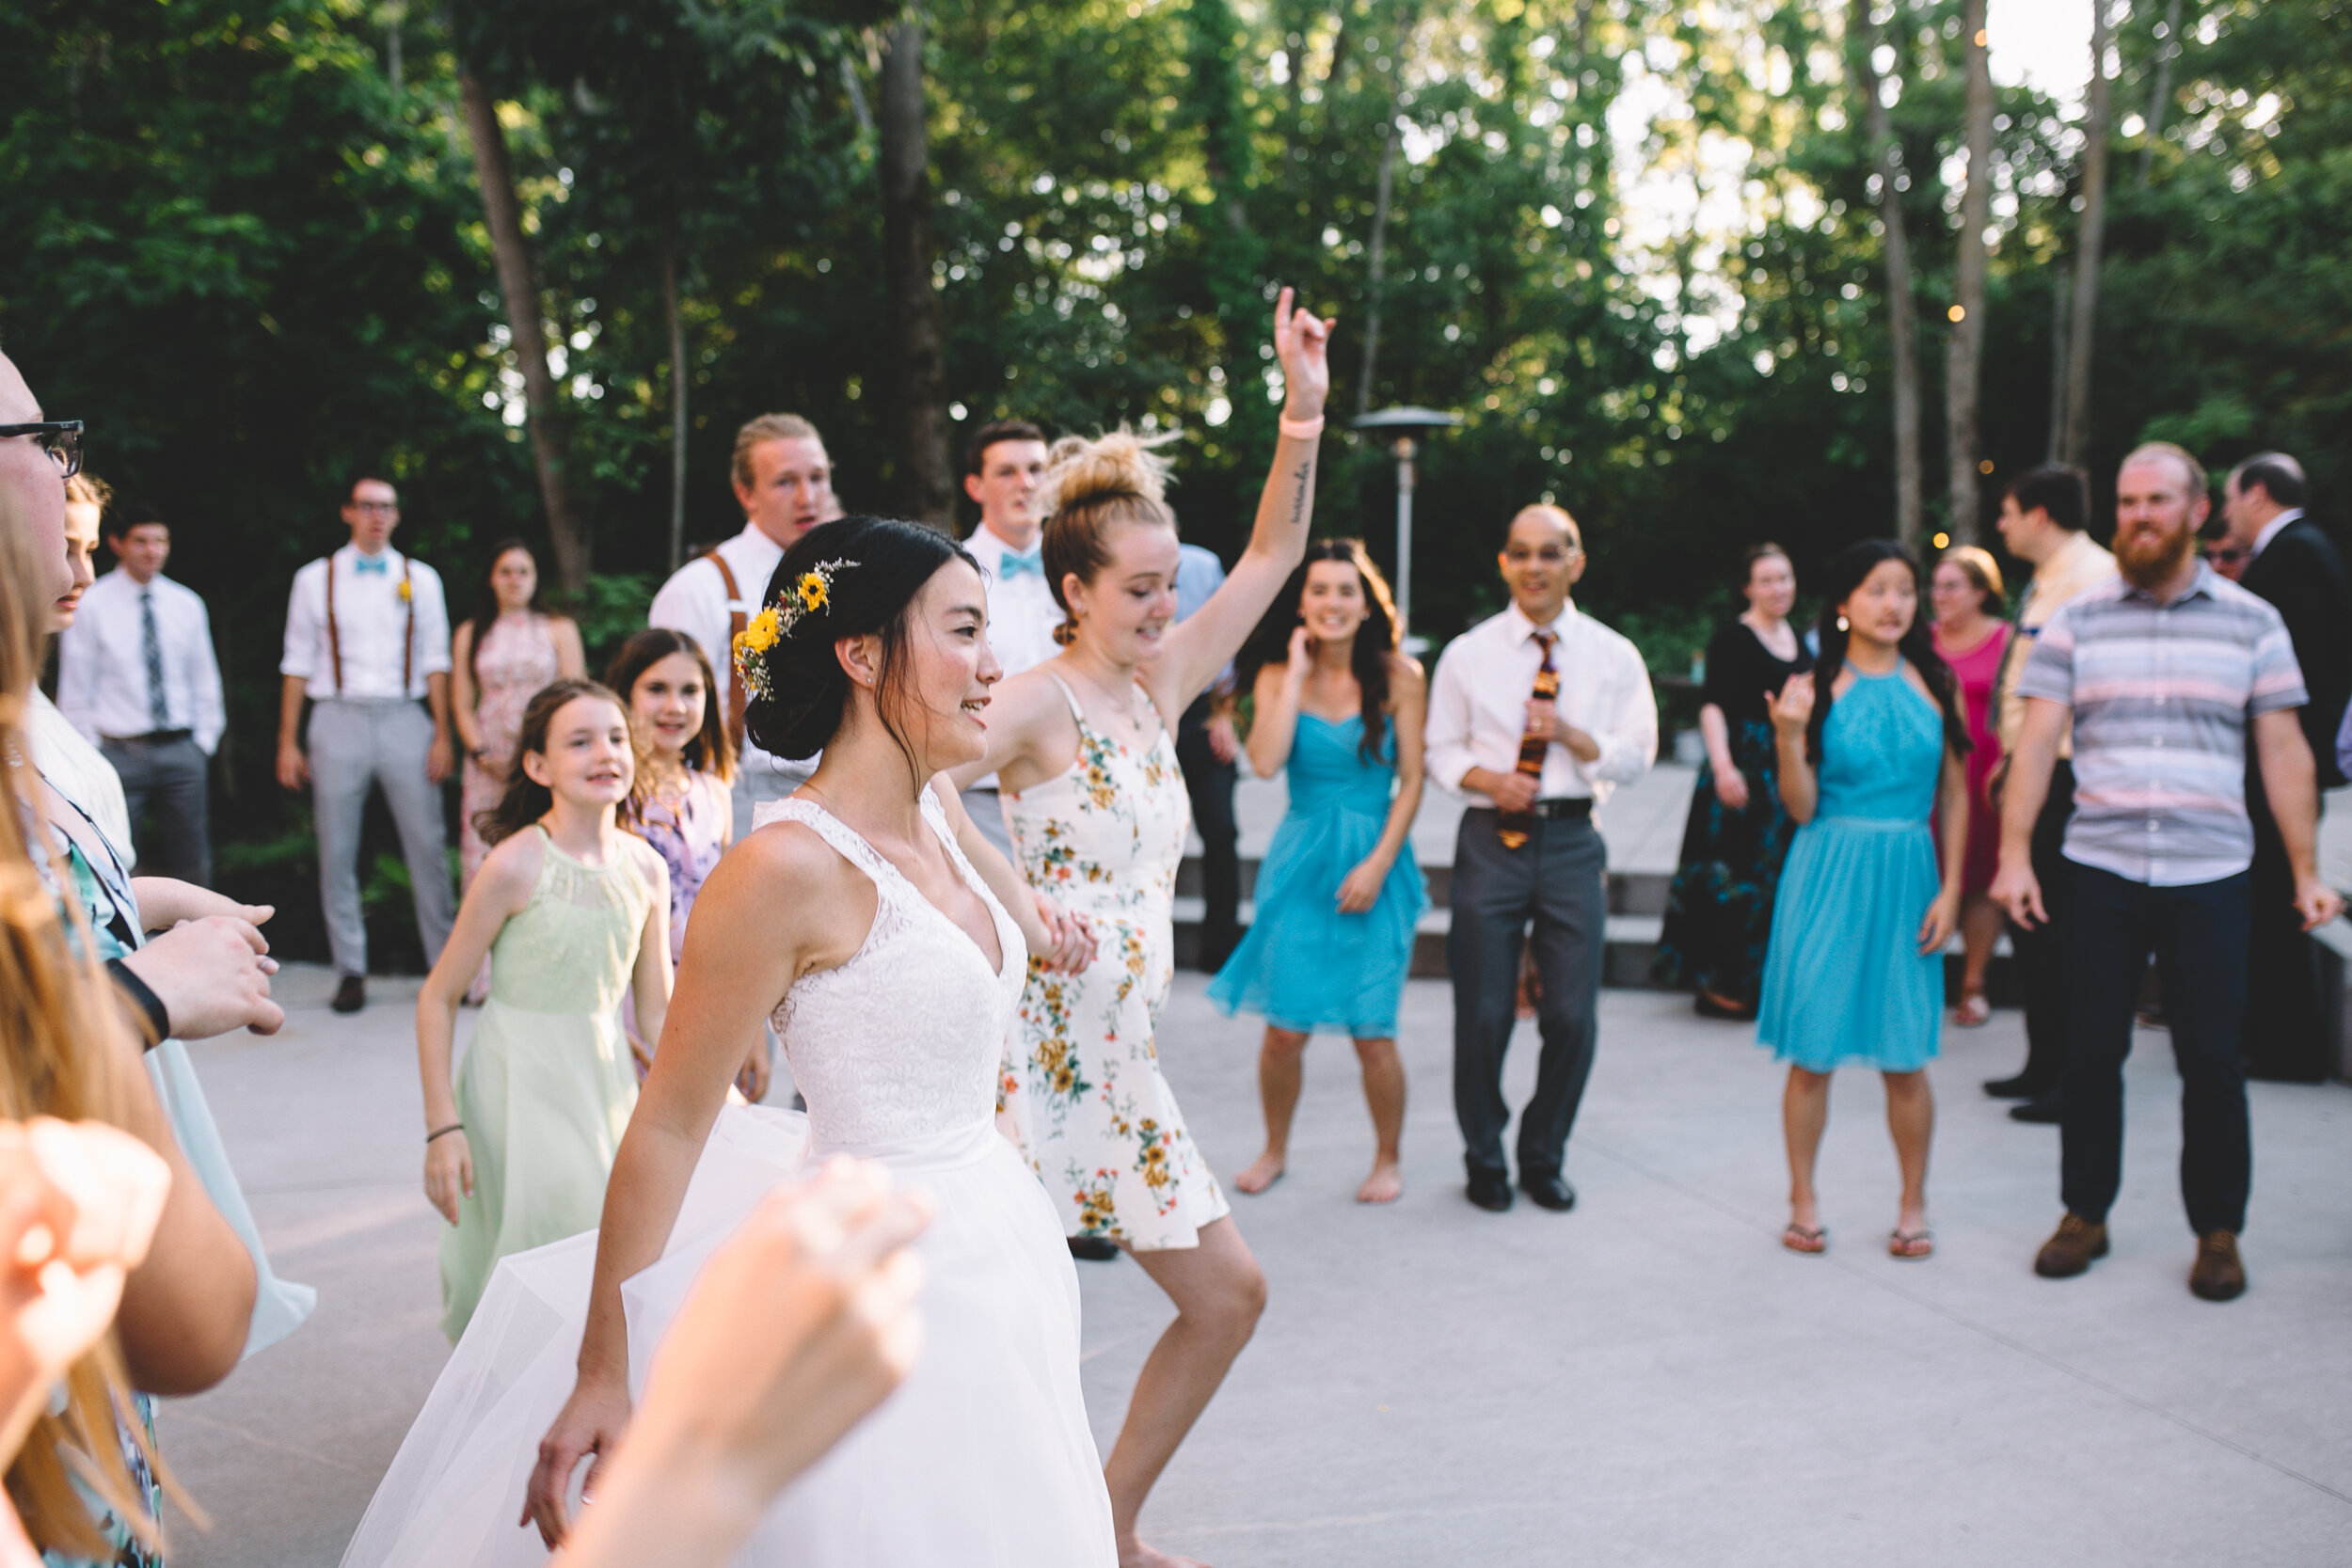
x=1338, y=895
x=1855, y=971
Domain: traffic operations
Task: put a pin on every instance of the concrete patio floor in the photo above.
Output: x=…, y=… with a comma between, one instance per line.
x=1649, y=1380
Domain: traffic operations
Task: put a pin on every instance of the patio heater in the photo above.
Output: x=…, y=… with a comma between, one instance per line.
x=1405, y=429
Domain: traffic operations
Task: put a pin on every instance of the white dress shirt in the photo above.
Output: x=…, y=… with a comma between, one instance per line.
x=102, y=662
x=371, y=621
x=1021, y=613
x=1485, y=678
x=695, y=602
x=2270, y=532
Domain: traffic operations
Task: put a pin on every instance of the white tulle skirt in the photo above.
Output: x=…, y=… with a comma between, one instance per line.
x=981, y=1457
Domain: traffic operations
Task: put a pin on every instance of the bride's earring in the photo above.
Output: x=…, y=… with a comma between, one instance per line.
x=1842, y=622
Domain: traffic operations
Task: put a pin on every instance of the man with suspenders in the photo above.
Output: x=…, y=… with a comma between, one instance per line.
x=784, y=480
x=367, y=639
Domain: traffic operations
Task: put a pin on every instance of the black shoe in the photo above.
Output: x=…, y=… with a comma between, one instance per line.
x=1546, y=1190
x=1094, y=1249
x=351, y=994
x=1490, y=1190
x=2019, y=1087
x=2041, y=1109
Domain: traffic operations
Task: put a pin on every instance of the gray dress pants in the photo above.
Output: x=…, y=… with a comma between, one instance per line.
x=166, y=780
x=1554, y=882
x=353, y=745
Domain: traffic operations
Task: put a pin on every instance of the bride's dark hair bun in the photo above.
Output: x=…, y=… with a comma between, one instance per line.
x=867, y=571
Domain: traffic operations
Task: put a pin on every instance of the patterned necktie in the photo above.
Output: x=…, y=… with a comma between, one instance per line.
x=1012, y=564
x=151, y=649
x=1516, y=825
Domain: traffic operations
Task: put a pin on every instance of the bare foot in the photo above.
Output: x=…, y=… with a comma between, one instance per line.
x=1384, y=1185
x=1263, y=1173
x=1134, y=1554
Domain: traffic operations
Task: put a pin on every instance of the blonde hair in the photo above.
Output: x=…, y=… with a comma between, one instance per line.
x=88, y=490
x=767, y=427
x=62, y=1053
x=1980, y=567
x=1091, y=486
x=2197, y=484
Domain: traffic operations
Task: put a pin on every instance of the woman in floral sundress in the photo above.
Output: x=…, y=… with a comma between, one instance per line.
x=1098, y=811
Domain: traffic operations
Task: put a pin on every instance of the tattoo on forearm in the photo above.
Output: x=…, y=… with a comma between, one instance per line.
x=1298, y=493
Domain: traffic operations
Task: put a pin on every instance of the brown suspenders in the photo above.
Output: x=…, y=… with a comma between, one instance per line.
x=737, y=621
x=409, y=642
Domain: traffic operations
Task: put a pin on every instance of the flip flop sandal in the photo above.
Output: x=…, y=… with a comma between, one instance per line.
x=1974, y=1011
x=1911, y=1245
x=1805, y=1239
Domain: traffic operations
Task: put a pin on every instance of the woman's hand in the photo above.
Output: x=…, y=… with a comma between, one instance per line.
x=211, y=976
x=591, y=1423
x=1301, y=343
x=1731, y=788
x=166, y=901
x=750, y=1080
x=1072, y=936
x=448, y=1173
x=1942, y=921
x=1300, y=659
x=1791, y=706
x=1360, y=888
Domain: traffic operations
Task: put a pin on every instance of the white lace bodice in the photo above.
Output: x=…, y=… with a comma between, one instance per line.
x=903, y=1040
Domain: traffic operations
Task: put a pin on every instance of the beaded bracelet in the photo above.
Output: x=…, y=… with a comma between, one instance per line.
x=453, y=1126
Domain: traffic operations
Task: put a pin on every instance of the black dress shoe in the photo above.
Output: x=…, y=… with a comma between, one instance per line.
x=2019, y=1087
x=351, y=994
x=2041, y=1109
x=1490, y=1190
x=1094, y=1249
x=1546, y=1190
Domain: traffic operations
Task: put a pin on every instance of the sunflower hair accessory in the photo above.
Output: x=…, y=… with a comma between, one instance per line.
x=809, y=594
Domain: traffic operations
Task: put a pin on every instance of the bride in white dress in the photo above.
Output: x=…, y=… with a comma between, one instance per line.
x=891, y=971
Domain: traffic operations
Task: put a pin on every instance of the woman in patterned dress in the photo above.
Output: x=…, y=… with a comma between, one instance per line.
x=502, y=653
x=1098, y=811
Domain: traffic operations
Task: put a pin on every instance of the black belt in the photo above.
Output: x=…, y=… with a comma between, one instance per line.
x=1557, y=808
x=153, y=738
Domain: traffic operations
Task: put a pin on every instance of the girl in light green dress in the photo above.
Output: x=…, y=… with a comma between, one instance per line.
x=576, y=912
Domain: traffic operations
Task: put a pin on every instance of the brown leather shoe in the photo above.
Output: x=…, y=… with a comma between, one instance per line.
x=351, y=994
x=2218, y=1274
x=2072, y=1249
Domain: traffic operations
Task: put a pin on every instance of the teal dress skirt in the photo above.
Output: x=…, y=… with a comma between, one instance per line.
x=1304, y=966
x=1845, y=984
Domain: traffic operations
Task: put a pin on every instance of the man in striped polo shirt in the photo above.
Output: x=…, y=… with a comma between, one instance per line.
x=2164, y=673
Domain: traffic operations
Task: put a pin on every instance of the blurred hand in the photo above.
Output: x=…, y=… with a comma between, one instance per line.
x=211, y=976
x=1360, y=888
x=2017, y=890
x=1300, y=659
x=1791, y=706
x=1942, y=919
x=166, y=901
x=1224, y=743
x=294, y=768
x=752, y=1079
x=439, y=758
x=1731, y=788
x=448, y=1173
x=1073, y=944
x=1513, y=791
x=1301, y=343
x=2316, y=902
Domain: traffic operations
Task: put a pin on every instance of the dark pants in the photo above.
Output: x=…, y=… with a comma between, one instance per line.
x=165, y=781
x=1210, y=783
x=2041, y=962
x=2197, y=935
x=1554, y=881
x=2282, y=1033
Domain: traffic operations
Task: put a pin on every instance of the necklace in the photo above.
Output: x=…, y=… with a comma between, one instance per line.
x=1125, y=709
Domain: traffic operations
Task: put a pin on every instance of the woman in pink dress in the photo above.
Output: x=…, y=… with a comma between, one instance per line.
x=501, y=657
x=1971, y=637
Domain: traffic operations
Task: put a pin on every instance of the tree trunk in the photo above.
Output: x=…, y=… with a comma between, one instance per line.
x=674, y=313
x=1964, y=357
x=2160, y=96
x=1901, y=314
x=2061, y=296
x=2090, y=239
x=1379, y=260
x=916, y=374
x=528, y=330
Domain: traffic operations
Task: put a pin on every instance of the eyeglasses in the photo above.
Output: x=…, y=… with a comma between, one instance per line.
x=61, y=438
x=2226, y=555
x=1550, y=555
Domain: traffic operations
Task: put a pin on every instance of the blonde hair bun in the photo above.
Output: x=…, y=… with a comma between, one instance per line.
x=1121, y=465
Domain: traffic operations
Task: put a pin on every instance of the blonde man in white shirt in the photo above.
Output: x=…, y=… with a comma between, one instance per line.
x=783, y=482
x=367, y=639
x=1534, y=716
x=136, y=675
x=1001, y=471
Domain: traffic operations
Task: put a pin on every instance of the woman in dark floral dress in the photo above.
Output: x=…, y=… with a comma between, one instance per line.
x=1719, y=913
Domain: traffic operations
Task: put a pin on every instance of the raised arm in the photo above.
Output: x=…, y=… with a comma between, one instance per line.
x=1198, y=648
x=1791, y=708
x=1274, y=704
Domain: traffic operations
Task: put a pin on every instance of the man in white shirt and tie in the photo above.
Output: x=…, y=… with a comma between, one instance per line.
x=137, y=676
x=784, y=482
x=1534, y=715
x=367, y=639
x=1001, y=471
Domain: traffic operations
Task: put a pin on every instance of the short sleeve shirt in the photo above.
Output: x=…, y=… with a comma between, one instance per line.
x=2162, y=695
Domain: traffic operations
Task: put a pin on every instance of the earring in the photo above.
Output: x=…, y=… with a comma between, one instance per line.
x=1842, y=622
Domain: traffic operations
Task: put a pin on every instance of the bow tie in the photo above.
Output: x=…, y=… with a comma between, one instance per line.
x=1010, y=565
x=377, y=567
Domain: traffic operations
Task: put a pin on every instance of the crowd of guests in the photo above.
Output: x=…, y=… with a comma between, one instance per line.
x=2124, y=765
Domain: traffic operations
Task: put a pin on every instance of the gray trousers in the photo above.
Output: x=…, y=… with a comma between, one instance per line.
x=353, y=746
x=1554, y=881
x=166, y=780
x=986, y=807
x=765, y=779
